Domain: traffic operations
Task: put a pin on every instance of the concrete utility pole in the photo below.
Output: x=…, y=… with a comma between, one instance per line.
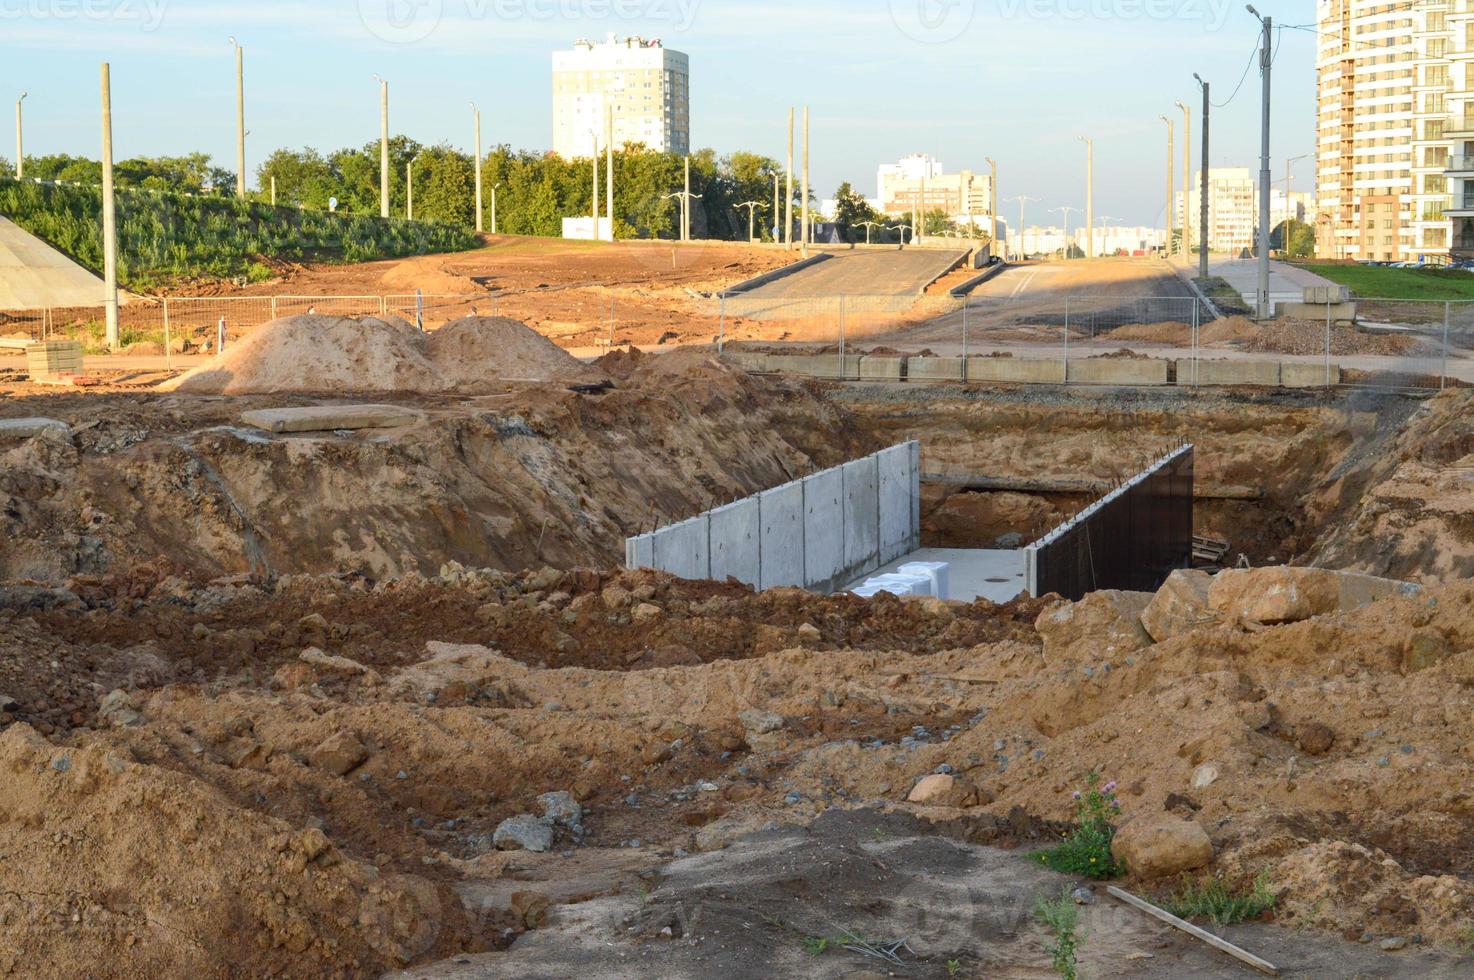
x=609, y=168
x=240, y=119
x=1171, y=197
x=1022, y=199
x=409, y=190
x=383, y=147
x=1187, y=176
x=788, y=209
x=807, y=227
x=1089, y=196
x=993, y=206
x=20, y=146
x=109, y=216
x=476, y=116
x=595, y=157
x=493, y=206
x=751, y=207
x=686, y=205
x=918, y=231
x=1203, y=239
x=1266, y=65
x=777, y=210
x=273, y=190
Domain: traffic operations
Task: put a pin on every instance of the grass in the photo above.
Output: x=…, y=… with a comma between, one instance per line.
x=1087, y=851
x=164, y=237
x=1381, y=282
x=1228, y=300
x=1214, y=901
x=1061, y=917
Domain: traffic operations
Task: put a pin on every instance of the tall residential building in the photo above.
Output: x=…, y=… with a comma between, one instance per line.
x=920, y=179
x=1233, y=208
x=1396, y=130
x=644, y=84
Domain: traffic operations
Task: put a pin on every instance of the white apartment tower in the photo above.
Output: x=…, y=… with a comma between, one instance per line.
x=1396, y=130
x=645, y=85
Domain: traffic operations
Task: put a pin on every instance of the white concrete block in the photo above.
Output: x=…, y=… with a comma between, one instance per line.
x=735, y=532
x=782, y=536
x=935, y=572
x=683, y=549
x=638, y=551
x=823, y=527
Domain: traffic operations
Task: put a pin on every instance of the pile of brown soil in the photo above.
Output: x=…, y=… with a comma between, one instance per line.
x=340, y=354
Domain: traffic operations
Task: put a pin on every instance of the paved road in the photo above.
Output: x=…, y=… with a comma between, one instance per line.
x=864, y=272
x=1286, y=282
x=33, y=274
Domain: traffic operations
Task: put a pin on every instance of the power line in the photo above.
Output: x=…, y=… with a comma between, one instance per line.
x=1242, y=79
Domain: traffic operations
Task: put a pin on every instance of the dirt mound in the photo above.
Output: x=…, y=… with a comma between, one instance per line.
x=622, y=362
x=476, y=349
x=340, y=354
x=429, y=275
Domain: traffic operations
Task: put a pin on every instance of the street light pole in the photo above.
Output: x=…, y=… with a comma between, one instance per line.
x=383, y=147
x=751, y=207
x=409, y=190
x=1022, y=199
x=20, y=146
x=1089, y=196
x=686, y=205
x=1289, y=206
x=240, y=119
x=609, y=167
x=993, y=205
x=1066, y=211
x=1203, y=188
x=493, y=206
x=788, y=206
x=109, y=216
x=808, y=218
x=1266, y=67
x=1187, y=177
x=476, y=117
x=594, y=156
x=1171, y=168
x=777, y=212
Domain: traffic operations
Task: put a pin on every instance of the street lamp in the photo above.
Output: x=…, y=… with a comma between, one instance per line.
x=1171, y=167
x=20, y=151
x=476, y=116
x=1089, y=195
x=383, y=145
x=751, y=207
x=1022, y=199
x=903, y=229
x=992, y=204
x=493, y=206
x=240, y=118
x=1203, y=185
x=868, y=225
x=1066, y=210
x=1187, y=176
x=1101, y=220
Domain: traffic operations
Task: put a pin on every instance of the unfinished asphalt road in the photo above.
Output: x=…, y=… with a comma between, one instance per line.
x=889, y=272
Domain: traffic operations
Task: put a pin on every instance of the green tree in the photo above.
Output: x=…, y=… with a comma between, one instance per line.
x=851, y=209
x=1295, y=238
x=7, y=169
x=445, y=187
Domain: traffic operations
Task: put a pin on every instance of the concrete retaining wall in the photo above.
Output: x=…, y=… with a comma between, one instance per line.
x=934, y=369
x=820, y=532
x=1339, y=312
x=1303, y=374
x=817, y=365
x=1016, y=370
x=1118, y=371
x=882, y=368
x=1211, y=372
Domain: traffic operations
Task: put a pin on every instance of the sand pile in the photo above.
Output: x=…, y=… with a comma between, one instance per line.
x=372, y=354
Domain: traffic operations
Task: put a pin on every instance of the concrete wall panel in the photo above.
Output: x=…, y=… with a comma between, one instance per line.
x=1118, y=371
x=638, y=553
x=1016, y=370
x=824, y=531
x=682, y=549
x=1224, y=372
x=895, y=475
x=880, y=368
x=1303, y=374
x=735, y=533
x=782, y=536
x=934, y=369
x=861, y=515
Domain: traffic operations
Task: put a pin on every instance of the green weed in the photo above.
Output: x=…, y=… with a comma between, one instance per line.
x=1061, y=917
x=1087, y=851
x=1213, y=900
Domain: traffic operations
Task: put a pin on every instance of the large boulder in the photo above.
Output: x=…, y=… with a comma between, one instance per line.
x=1101, y=626
x=1160, y=845
x=947, y=790
x=1180, y=605
x=1282, y=594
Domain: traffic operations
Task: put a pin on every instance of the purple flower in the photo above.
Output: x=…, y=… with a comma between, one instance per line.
x=1077, y=794
x=1110, y=786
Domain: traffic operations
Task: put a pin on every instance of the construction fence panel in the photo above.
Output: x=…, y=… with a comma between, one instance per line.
x=1400, y=345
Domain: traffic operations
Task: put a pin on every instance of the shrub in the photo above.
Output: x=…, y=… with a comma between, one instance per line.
x=1087, y=851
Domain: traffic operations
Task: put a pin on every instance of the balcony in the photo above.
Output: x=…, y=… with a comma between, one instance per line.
x=1459, y=127
x=1459, y=163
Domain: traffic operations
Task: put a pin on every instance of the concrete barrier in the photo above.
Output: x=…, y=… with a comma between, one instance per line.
x=1016, y=370
x=820, y=532
x=736, y=531
x=1322, y=295
x=782, y=510
x=882, y=368
x=1225, y=372
x=817, y=365
x=752, y=362
x=1339, y=312
x=1118, y=371
x=823, y=544
x=1304, y=374
x=934, y=369
x=329, y=418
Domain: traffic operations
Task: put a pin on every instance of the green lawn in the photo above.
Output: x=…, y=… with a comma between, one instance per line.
x=1380, y=282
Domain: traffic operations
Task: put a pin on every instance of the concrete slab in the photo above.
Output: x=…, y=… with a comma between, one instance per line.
x=934, y=369
x=782, y=536
x=894, y=472
x=639, y=551
x=823, y=527
x=35, y=275
x=1016, y=370
x=29, y=428
x=1118, y=371
x=330, y=418
x=861, y=515
x=997, y=576
x=736, y=531
x=684, y=549
x=1226, y=372
x=1338, y=312
x=1305, y=374
x=882, y=368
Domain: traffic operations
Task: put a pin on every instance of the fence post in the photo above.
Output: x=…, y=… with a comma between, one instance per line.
x=273, y=299
x=964, y=338
x=1197, y=325
x=1443, y=374
x=841, y=337
x=419, y=309
x=168, y=363
x=721, y=321
x=1067, y=340
x=220, y=337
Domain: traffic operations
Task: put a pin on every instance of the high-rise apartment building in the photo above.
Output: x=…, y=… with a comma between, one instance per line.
x=920, y=180
x=642, y=83
x=1233, y=208
x=1395, y=130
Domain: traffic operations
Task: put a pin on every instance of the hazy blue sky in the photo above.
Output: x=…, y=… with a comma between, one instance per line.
x=1019, y=80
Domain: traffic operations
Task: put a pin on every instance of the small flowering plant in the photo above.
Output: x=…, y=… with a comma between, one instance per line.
x=1087, y=850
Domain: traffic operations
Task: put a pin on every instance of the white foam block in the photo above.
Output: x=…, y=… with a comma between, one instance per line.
x=935, y=572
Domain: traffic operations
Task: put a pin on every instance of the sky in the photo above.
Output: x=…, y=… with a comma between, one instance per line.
x=1018, y=80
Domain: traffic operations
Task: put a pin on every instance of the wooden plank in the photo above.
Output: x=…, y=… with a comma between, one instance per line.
x=1081, y=486
x=1222, y=945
